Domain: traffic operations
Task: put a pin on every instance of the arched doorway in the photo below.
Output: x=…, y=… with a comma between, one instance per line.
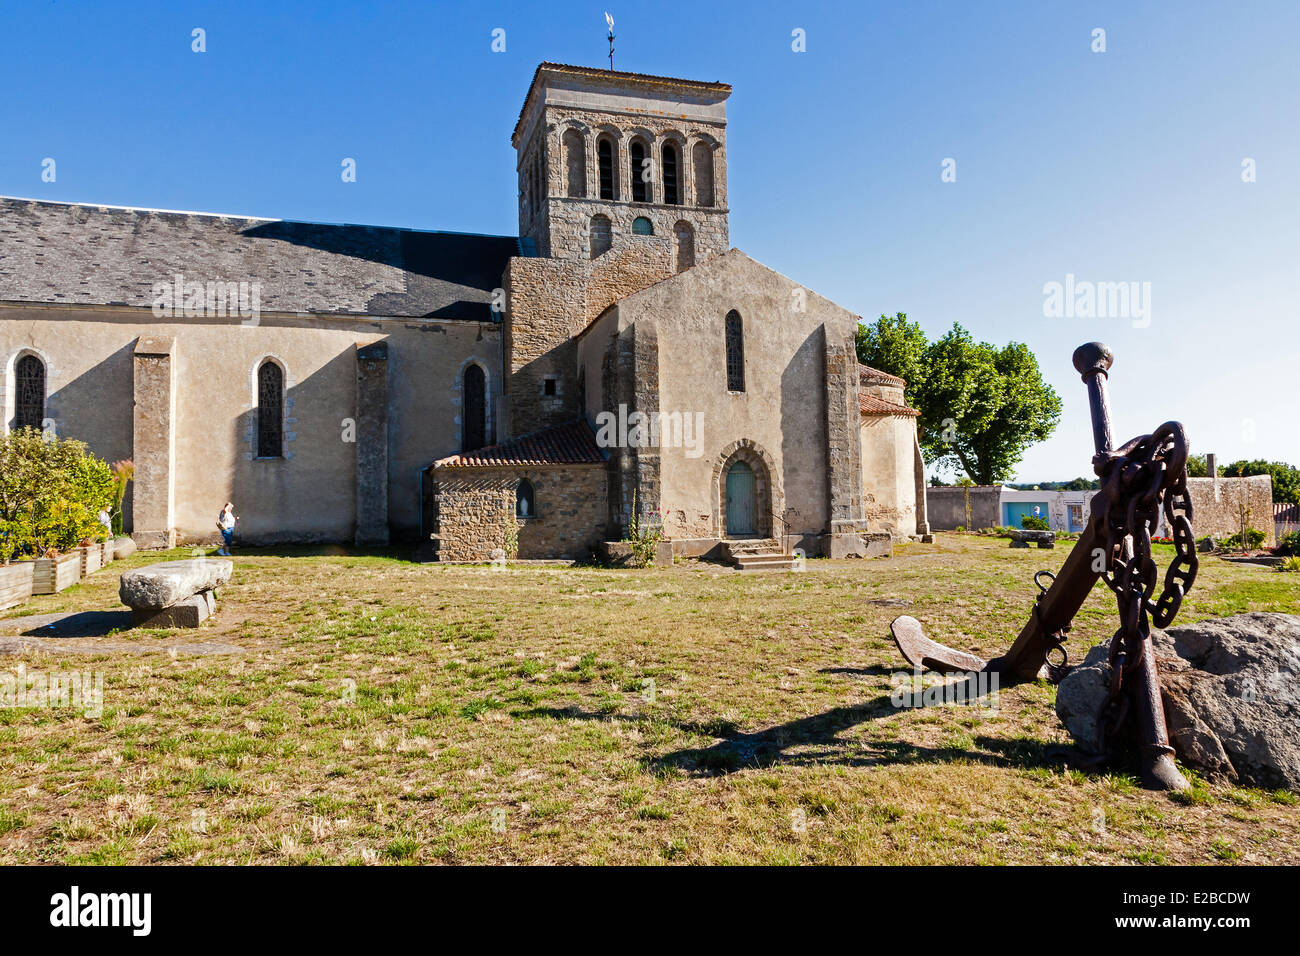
x=746, y=491
x=741, y=500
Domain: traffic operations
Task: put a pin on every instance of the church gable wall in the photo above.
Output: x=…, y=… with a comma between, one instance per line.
x=782, y=410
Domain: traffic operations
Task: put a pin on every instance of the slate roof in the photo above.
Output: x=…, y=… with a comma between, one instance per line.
x=101, y=255
x=871, y=405
x=573, y=443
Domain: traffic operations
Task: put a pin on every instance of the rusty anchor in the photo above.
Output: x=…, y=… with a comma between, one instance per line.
x=1137, y=480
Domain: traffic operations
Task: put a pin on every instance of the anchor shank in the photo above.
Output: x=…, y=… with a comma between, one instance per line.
x=1093, y=362
x=1058, y=607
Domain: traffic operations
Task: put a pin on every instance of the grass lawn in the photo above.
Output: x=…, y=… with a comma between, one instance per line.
x=379, y=711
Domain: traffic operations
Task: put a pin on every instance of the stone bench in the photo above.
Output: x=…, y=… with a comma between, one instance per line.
x=174, y=593
x=1023, y=538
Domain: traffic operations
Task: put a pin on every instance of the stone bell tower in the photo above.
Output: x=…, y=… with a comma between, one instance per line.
x=607, y=158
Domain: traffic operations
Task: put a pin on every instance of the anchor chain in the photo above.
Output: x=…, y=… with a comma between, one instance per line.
x=1137, y=480
x=1056, y=670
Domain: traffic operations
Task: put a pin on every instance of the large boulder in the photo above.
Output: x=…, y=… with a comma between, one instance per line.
x=157, y=586
x=123, y=546
x=1231, y=689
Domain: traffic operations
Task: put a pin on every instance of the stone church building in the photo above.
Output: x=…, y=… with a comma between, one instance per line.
x=371, y=384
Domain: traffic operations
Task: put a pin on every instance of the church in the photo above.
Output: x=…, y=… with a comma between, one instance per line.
x=470, y=393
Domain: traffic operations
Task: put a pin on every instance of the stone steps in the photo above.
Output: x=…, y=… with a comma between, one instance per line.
x=764, y=562
x=758, y=554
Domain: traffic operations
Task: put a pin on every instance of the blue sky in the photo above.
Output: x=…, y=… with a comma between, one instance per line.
x=1122, y=166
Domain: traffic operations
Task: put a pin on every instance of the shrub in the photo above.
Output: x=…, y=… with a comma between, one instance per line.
x=123, y=473
x=644, y=535
x=51, y=493
x=1248, y=540
x=1290, y=564
x=1290, y=544
x=1030, y=523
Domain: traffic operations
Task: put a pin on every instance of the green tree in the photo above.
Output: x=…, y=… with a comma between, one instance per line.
x=896, y=346
x=981, y=406
x=1286, y=478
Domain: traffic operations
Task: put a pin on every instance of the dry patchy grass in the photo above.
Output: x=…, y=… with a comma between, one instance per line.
x=388, y=712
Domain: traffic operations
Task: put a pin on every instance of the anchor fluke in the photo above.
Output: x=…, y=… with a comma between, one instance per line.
x=922, y=652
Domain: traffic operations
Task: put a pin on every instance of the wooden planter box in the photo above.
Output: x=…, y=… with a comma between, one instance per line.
x=52, y=575
x=15, y=583
x=92, y=558
x=108, y=551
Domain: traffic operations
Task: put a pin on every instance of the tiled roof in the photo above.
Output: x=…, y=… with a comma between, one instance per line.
x=1285, y=511
x=107, y=255
x=871, y=405
x=873, y=376
x=570, y=444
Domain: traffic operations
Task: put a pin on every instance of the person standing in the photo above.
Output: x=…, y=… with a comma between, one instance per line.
x=226, y=523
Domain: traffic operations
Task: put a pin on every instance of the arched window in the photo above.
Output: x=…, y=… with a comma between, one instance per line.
x=640, y=172
x=525, y=504
x=606, y=158
x=702, y=160
x=685, y=245
x=575, y=164
x=601, y=235
x=29, y=393
x=474, y=430
x=668, y=168
x=735, y=352
x=270, y=411
x=641, y=226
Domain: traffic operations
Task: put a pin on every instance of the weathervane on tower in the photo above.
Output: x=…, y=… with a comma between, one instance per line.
x=610, y=21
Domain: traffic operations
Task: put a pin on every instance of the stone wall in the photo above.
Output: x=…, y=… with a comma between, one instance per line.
x=889, y=479
x=946, y=507
x=549, y=302
x=1218, y=504
x=843, y=438
x=475, y=507
x=781, y=415
x=311, y=493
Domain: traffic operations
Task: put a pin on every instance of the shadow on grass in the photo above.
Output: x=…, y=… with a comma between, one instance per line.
x=814, y=740
x=73, y=624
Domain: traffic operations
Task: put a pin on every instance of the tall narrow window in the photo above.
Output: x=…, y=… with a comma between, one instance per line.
x=669, y=169
x=605, y=159
x=270, y=411
x=702, y=160
x=474, y=432
x=735, y=352
x=601, y=235
x=29, y=397
x=525, y=503
x=575, y=164
x=640, y=172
